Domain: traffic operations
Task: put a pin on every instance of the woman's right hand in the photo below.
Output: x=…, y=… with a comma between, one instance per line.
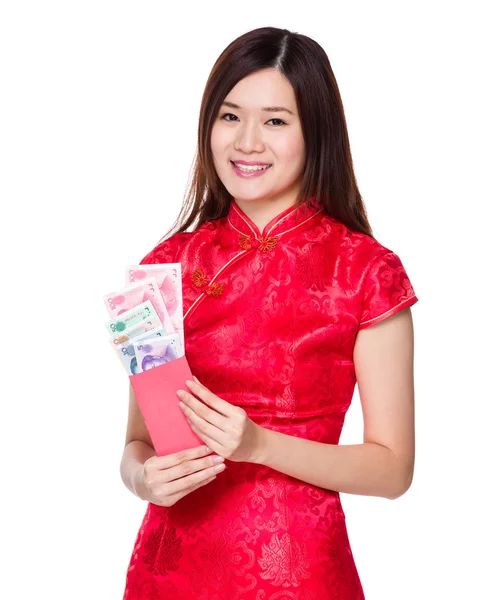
x=166, y=479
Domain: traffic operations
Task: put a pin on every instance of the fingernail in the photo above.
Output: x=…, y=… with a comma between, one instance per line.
x=218, y=459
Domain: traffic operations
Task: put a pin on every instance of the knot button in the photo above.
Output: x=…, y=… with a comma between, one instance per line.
x=267, y=243
x=199, y=278
x=215, y=289
x=245, y=242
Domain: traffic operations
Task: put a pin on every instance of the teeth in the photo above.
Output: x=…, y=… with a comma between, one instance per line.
x=249, y=169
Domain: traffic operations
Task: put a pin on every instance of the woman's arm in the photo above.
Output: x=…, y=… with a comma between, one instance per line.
x=137, y=449
x=383, y=465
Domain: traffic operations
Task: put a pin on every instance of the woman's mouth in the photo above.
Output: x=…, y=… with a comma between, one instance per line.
x=249, y=170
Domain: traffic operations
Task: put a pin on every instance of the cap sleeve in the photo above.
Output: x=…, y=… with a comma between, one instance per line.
x=386, y=290
x=165, y=252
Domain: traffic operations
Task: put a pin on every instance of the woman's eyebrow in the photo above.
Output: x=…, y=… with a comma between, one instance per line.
x=266, y=108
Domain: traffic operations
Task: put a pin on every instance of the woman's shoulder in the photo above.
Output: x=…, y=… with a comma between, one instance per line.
x=169, y=249
x=374, y=271
x=369, y=247
x=354, y=245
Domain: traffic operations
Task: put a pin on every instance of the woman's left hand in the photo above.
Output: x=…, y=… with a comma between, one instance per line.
x=224, y=428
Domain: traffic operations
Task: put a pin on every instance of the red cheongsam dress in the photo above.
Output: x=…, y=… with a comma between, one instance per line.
x=270, y=323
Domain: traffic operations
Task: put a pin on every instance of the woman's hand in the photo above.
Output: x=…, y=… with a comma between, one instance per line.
x=224, y=428
x=166, y=479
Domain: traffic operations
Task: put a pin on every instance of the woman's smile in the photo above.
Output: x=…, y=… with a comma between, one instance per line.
x=249, y=171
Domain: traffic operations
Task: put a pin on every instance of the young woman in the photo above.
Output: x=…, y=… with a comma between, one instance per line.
x=288, y=300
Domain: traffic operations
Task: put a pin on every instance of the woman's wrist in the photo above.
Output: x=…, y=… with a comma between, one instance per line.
x=259, y=451
x=136, y=453
x=139, y=486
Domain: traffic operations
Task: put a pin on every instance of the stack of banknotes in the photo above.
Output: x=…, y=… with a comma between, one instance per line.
x=146, y=317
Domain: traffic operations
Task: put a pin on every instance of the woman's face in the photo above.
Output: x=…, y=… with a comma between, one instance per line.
x=251, y=133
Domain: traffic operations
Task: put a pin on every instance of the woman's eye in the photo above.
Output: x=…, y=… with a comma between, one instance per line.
x=282, y=122
x=232, y=115
x=228, y=115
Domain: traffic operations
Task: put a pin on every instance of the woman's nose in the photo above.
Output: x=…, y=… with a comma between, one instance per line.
x=249, y=139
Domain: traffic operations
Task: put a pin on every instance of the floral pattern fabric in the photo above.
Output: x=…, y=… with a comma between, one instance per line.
x=270, y=320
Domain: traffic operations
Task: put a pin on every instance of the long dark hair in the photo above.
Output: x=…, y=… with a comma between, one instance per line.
x=328, y=174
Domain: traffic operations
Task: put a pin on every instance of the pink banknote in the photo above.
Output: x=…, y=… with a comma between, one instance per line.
x=168, y=280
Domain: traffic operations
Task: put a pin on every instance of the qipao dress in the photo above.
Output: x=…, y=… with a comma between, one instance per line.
x=270, y=323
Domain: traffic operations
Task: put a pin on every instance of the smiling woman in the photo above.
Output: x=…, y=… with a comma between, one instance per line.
x=252, y=144
x=288, y=300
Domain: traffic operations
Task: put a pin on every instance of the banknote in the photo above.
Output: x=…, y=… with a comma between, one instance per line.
x=152, y=352
x=126, y=354
x=136, y=330
x=131, y=317
x=117, y=303
x=168, y=279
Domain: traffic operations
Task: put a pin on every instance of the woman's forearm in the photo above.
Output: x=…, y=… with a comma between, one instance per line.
x=135, y=454
x=367, y=469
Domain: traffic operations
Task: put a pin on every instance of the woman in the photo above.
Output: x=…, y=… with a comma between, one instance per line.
x=288, y=299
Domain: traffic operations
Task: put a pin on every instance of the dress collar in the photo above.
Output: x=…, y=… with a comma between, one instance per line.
x=290, y=219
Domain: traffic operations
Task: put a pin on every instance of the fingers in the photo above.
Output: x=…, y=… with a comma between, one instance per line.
x=188, y=481
x=171, y=460
x=188, y=470
x=212, y=400
x=190, y=406
x=204, y=428
x=186, y=491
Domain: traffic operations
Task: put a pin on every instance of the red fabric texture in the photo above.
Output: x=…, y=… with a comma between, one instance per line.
x=270, y=321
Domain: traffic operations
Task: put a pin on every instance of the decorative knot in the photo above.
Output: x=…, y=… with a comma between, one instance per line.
x=264, y=243
x=267, y=243
x=214, y=289
x=199, y=278
x=245, y=241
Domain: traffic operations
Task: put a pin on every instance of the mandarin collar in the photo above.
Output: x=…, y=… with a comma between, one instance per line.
x=290, y=219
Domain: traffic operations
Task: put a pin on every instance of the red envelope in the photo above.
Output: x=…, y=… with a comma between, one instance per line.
x=155, y=391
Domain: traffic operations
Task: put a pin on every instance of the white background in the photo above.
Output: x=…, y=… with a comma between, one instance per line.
x=98, y=120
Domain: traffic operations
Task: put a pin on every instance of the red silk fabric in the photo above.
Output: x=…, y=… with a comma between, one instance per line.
x=270, y=325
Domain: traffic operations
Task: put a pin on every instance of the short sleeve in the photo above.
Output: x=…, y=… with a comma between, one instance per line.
x=386, y=290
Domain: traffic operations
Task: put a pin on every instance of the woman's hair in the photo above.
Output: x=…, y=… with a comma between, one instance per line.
x=328, y=174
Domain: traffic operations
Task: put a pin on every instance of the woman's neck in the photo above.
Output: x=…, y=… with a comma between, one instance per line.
x=261, y=212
